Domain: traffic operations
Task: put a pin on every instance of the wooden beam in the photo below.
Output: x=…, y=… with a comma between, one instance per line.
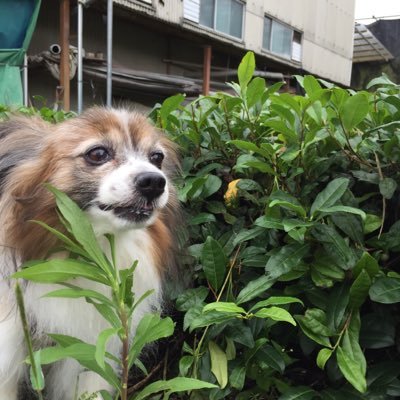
x=64, y=57
x=206, y=70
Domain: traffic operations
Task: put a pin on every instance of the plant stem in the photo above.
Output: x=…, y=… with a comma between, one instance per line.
x=125, y=354
x=25, y=327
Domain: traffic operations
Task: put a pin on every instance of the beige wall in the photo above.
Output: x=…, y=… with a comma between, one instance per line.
x=327, y=27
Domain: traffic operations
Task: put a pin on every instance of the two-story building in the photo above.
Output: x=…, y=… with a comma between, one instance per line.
x=161, y=47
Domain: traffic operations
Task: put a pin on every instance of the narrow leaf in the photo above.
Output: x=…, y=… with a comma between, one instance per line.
x=214, y=262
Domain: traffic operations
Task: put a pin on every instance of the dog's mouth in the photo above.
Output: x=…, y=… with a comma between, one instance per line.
x=132, y=212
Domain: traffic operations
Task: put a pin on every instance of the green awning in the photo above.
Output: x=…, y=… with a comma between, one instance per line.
x=17, y=23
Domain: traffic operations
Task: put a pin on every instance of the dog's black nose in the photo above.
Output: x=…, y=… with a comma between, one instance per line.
x=150, y=184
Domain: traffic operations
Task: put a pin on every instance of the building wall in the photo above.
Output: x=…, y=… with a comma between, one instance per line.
x=326, y=27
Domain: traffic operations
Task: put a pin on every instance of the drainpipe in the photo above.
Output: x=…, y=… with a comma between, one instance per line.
x=206, y=70
x=25, y=80
x=64, y=60
x=80, y=63
x=109, y=51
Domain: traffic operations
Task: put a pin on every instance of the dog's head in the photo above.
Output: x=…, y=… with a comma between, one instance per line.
x=113, y=163
x=116, y=166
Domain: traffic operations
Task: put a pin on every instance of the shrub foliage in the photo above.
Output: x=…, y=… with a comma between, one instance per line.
x=292, y=203
x=292, y=248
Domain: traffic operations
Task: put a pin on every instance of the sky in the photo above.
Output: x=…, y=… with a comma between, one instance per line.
x=377, y=8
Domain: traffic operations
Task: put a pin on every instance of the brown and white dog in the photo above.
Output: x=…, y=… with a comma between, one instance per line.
x=118, y=168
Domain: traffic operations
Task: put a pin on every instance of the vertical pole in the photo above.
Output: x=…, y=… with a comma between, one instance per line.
x=80, y=62
x=25, y=80
x=64, y=59
x=206, y=70
x=109, y=51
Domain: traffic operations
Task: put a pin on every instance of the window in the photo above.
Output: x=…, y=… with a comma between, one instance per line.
x=281, y=39
x=224, y=16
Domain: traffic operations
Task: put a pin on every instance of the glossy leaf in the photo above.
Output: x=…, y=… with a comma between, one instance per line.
x=246, y=69
x=385, y=290
x=214, y=262
x=354, y=110
x=276, y=314
x=330, y=195
x=254, y=288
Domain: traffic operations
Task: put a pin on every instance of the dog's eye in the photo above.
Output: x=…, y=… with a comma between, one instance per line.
x=156, y=158
x=97, y=156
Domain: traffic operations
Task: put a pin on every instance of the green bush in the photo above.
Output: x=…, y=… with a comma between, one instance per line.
x=292, y=250
x=292, y=205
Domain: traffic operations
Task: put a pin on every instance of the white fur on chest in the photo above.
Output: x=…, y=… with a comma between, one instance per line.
x=80, y=319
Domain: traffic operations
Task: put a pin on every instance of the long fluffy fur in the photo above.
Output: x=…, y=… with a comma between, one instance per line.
x=32, y=153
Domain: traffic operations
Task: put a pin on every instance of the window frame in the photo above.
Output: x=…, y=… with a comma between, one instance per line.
x=213, y=28
x=293, y=31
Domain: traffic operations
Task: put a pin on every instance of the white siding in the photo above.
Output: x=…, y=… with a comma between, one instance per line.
x=191, y=10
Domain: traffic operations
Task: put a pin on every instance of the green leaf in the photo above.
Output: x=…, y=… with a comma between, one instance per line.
x=298, y=209
x=211, y=186
x=151, y=328
x=185, y=363
x=254, y=288
x=354, y=110
x=276, y=300
x=381, y=80
x=191, y=298
x=298, y=393
x=350, y=368
x=224, y=307
x=334, y=244
x=202, y=218
x=323, y=356
x=246, y=69
x=210, y=318
x=311, y=85
x=75, y=292
x=250, y=146
x=285, y=259
x=214, y=262
x=330, y=195
x=372, y=223
x=336, y=306
x=359, y=290
x=350, y=358
x=367, y=263
x=269, y=222
x=36, y=374
x=247, y=234
x=387, y=187
x=385, y=290
x=255, y=91
x=101, y=344
x=274, y=358
x=175, y=385
x=276, y=314
x=80, y=227
x=237, y=377
x=346, y=209
x=314, y=325
x=84, y=354
x=219, y=363
x=170, y=104
x=56, y=271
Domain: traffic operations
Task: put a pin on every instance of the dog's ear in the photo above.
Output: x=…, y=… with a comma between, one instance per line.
x=21, y=141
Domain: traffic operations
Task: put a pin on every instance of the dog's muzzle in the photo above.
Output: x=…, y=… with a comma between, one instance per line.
x=149, y=186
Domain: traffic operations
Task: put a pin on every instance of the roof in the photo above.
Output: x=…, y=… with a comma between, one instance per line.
x=367, y=47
